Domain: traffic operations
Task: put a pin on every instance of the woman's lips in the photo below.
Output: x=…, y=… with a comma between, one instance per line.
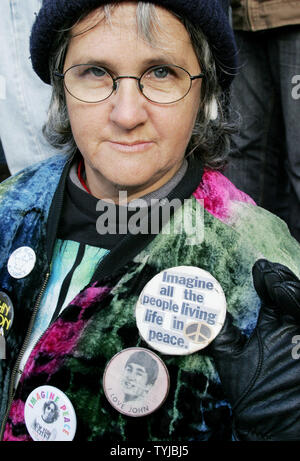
x=137, y=146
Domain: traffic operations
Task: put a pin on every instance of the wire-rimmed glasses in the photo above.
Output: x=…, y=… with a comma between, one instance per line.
x=162, y=84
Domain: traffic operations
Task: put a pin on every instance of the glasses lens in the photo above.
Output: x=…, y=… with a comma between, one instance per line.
x=165, y=84
x=88, y=83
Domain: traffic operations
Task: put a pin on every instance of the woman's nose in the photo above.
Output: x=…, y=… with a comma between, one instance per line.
x=128, y=104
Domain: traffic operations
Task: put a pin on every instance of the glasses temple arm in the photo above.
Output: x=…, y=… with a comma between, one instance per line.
x=193, y=77
x=58, y=74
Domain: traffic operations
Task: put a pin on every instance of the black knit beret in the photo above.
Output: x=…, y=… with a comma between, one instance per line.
x=209, y=15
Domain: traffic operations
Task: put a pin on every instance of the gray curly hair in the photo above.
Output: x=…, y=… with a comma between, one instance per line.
x=211, y=135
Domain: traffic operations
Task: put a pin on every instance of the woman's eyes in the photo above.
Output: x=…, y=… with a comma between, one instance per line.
x=91, y=72
x=158, y=73
x=161, y=72
x=96, y=71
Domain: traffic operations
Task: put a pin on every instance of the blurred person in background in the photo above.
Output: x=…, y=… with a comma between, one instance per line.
x=265, y=157
x=24, y=100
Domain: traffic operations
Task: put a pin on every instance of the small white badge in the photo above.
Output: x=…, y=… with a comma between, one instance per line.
x=136, y=382
x=181, y=310
x=49, y=415
x=21, y=262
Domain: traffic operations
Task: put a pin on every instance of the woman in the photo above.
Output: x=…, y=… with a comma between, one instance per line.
x=138, y=101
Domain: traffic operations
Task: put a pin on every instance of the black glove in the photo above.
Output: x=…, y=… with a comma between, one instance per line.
x=261, y=375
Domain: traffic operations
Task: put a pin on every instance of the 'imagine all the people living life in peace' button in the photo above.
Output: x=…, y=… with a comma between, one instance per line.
x=181, y=310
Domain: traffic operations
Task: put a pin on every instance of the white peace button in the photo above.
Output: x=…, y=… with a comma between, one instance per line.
x=21, y=262
x=181, y=310
x=49, y=415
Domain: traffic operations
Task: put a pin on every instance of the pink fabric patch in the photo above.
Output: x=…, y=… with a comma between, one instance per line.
x=9, y=437
x=89, y=296
x=62, y=336
x=17, y=412
x=218, y=192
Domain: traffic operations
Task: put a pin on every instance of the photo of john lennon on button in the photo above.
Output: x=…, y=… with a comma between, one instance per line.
x=139, y=376
x=135, y=382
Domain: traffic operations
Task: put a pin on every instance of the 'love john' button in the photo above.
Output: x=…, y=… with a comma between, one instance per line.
x=181, y=310
x=136, y=382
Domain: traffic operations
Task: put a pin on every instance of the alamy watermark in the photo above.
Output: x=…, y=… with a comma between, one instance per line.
x=296, y=87
x=296, y=348
x=168, y=217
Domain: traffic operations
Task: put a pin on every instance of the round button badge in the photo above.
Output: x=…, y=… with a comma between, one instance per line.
x=181, y=310
x=21, y=262
x=136, y=382
x=49, y=415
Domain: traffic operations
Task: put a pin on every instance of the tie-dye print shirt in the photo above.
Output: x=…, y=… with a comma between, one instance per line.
x=99, y=322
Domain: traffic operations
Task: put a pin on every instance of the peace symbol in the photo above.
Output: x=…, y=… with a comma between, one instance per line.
x=197, y=332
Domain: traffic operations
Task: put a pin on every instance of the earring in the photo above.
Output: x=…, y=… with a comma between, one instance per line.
x=212, y=110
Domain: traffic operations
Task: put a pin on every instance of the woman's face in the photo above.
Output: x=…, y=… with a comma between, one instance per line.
x=127, y=142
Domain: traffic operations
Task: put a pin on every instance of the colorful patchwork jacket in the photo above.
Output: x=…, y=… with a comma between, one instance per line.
x=73, y=352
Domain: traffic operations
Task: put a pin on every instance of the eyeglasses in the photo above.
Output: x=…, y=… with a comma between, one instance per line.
x=162, y=84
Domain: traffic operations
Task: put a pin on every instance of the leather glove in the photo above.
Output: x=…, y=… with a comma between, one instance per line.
x=261, y=374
